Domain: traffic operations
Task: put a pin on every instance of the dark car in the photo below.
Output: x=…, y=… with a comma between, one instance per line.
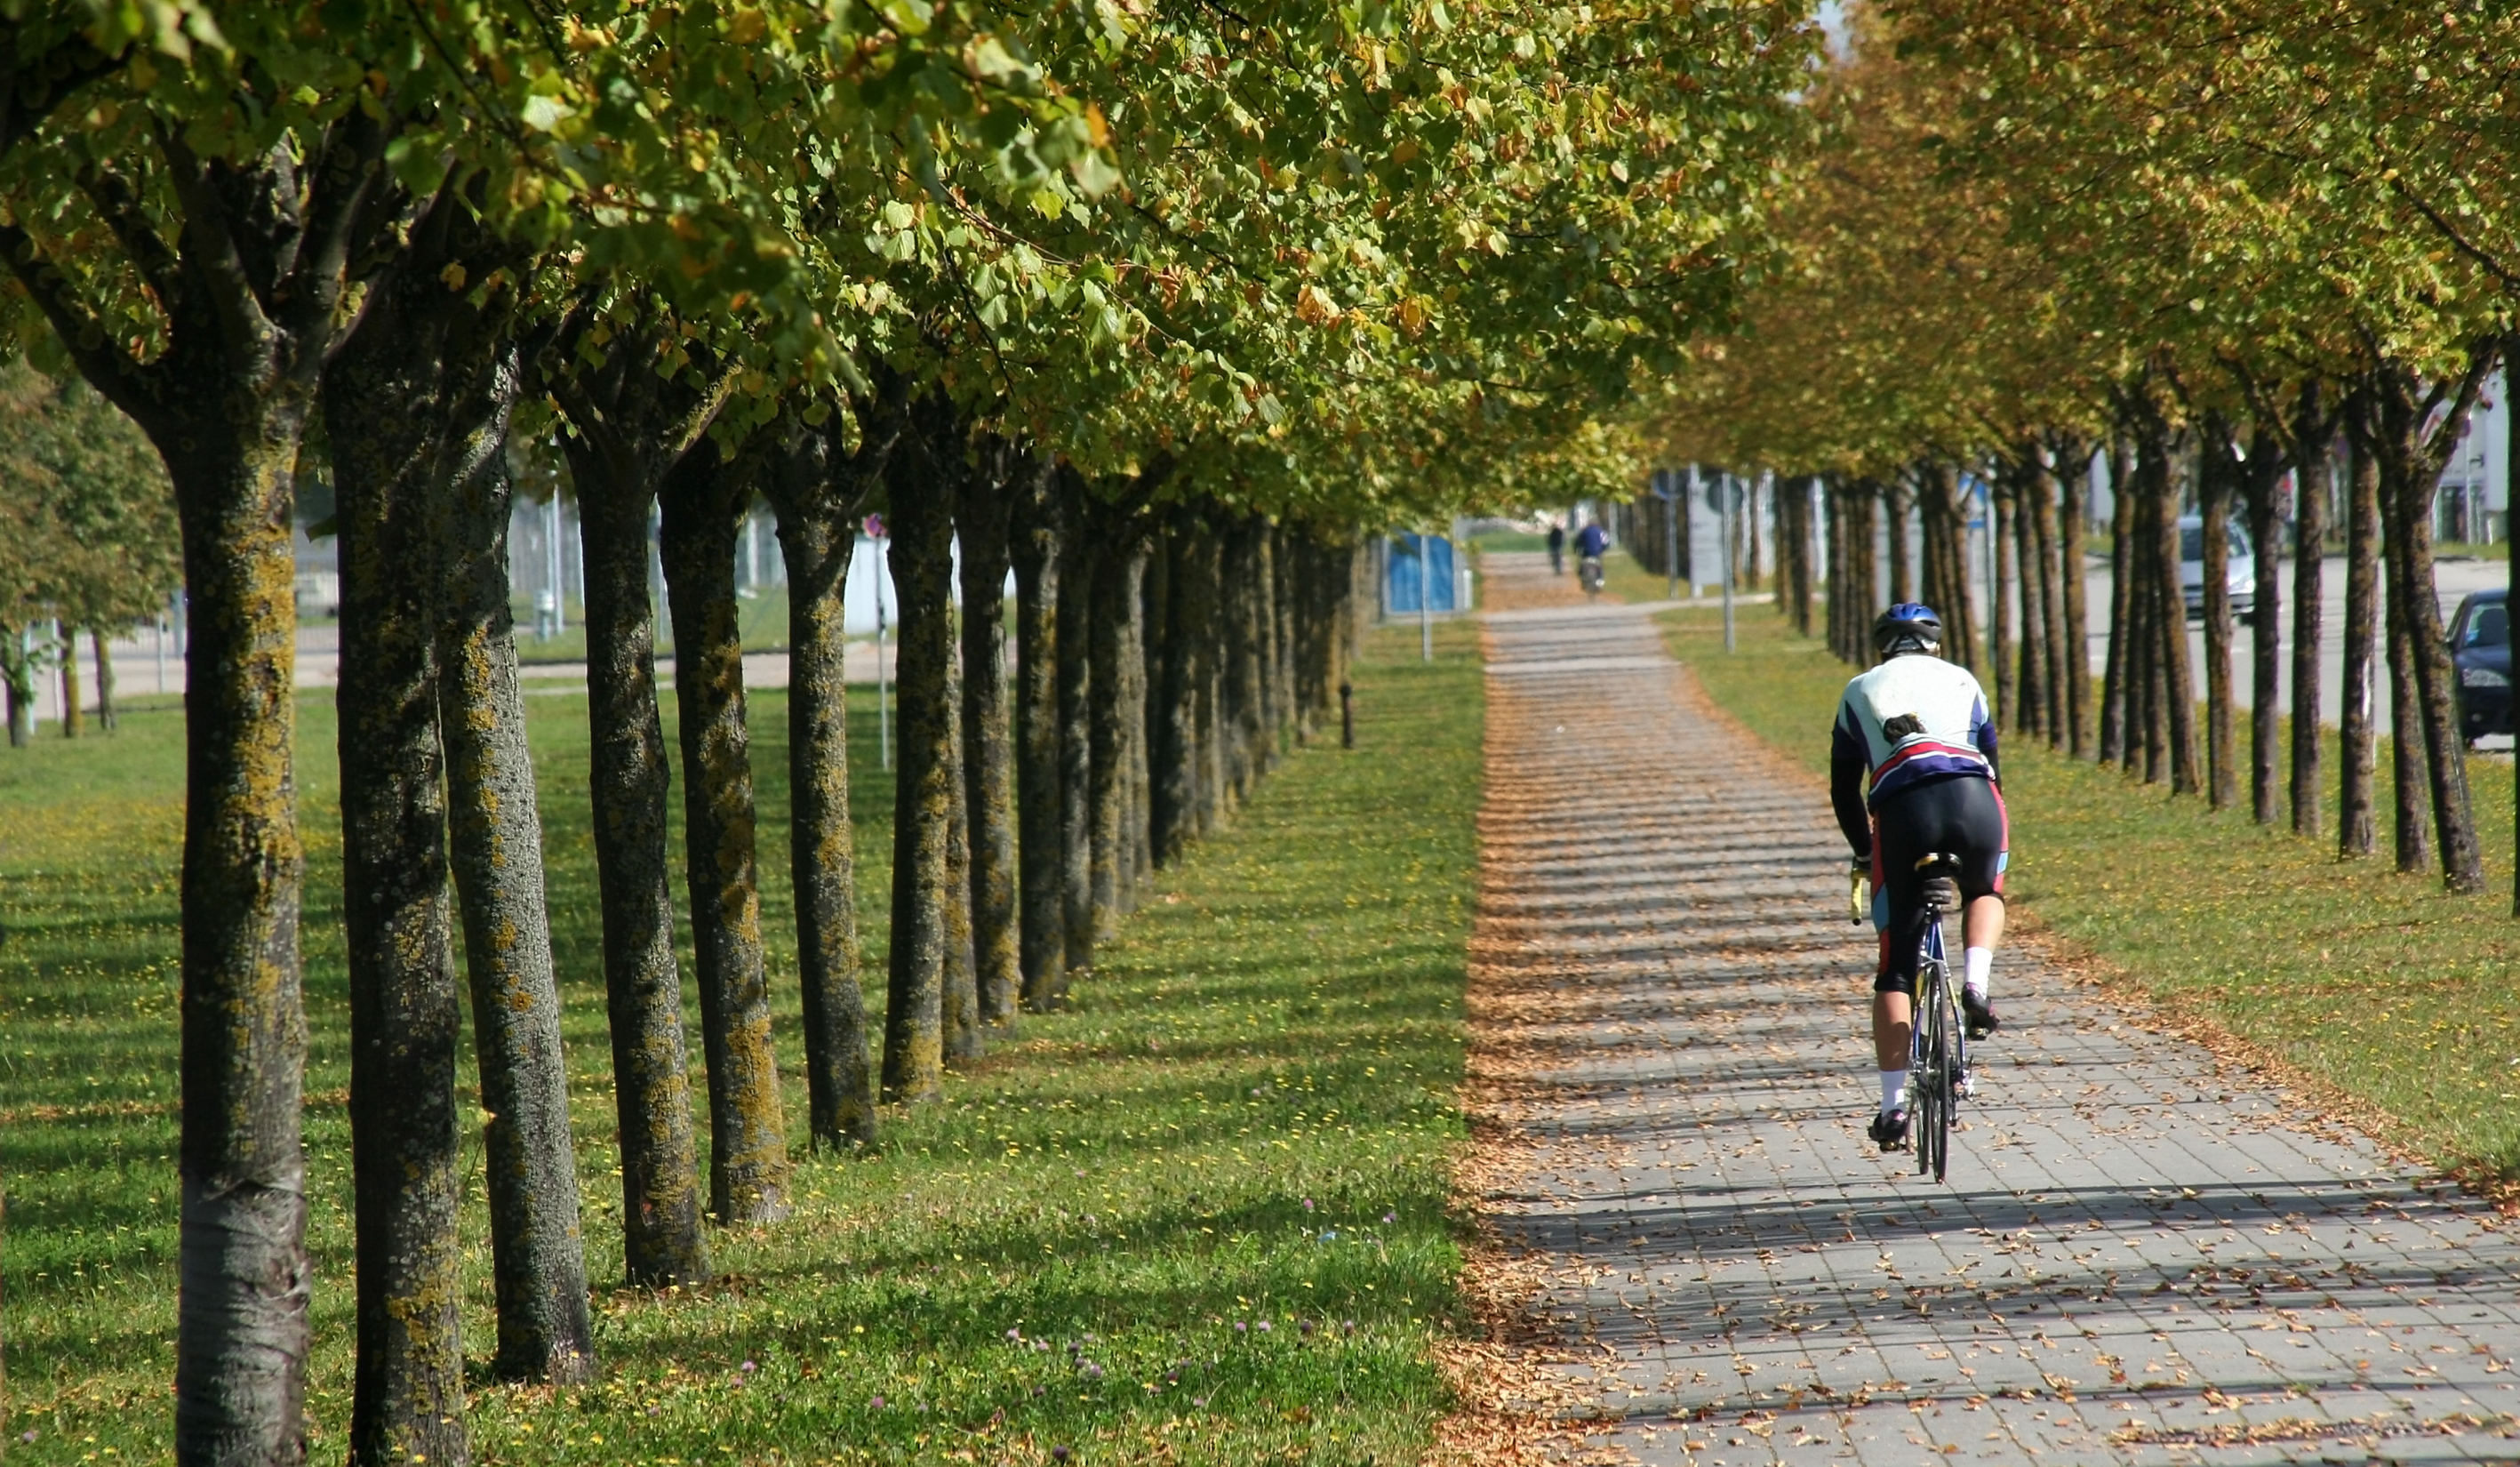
x=2479, y=646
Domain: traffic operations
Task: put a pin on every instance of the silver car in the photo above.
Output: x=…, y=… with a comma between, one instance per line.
x=2240, y=577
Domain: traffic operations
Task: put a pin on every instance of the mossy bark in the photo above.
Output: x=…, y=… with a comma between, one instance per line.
x=1115, y=594
x=1175, y=719
x=2074, y=647
x=2117, y=691
x=1143, y=671
x=704, y=501
x=961, y=1004
x=2215, y=473
x=2356, y=830
x=1079, y=559
x=494, y=826
x=106, y=717
x=630, y=782
x=923, y=533
x=73, y=701
x=2415, y=444
x=2169, y=623
x=984, y=521
x=818, y=488
x=2008, y=580
x=538, y=1250
x=1042, y=919
x=2413, y=804
x=2311, y=486
x=386, y=388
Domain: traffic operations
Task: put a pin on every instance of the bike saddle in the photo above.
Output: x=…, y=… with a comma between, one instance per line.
x=1942, y=887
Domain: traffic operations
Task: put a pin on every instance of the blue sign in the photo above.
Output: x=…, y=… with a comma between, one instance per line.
x=1417, y=561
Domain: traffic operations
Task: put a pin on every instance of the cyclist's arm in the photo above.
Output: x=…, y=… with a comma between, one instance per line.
x=1982, y=735
x=1846, y=769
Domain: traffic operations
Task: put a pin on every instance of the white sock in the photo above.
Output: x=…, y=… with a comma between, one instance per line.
x=1894, y=1086
x=1978, y=961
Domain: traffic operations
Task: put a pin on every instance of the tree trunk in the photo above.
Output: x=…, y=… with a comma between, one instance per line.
x=643, y=990
x=2264, y=472
x=960, y=1005
x=407, y=1396
x=2354, y=824
x=984, y=523
x=1078, y=559
x=818, y=489
x=2147, y=734
x=241, y=1330
x=2417, y=447
x=1043, y=919
x=73, y=701
x=2413, y=803
x=2215, y=471
x=2055, y=701
x=21, y=698
x=1136, y=660
x=1176, y=773
x=923, y=537
x=2118, y=736
x=494, y=823
x=1894, y=506
x=1116, y=587
x=1998, y=638
x=106, y=717
x=2179, y=681
x=705, y=500
x=2074, y=635
x=2309, y=573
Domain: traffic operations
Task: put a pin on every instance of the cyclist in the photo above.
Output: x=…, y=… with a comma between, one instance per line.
x=1919, y=727
x=1590, y=542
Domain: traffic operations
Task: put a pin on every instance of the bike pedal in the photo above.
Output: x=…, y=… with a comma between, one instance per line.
x=1967, y=1089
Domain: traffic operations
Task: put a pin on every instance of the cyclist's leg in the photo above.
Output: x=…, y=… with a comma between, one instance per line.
x=1980, y=839
x=1901, y=903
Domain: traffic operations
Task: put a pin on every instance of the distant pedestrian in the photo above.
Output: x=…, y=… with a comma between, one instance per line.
x=1557, y=548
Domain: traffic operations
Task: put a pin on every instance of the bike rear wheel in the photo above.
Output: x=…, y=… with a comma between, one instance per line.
x=1938, y=1036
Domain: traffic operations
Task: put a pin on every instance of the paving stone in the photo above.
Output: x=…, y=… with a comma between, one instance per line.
x=2139, y=1257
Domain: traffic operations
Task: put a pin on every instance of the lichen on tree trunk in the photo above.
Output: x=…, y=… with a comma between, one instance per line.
x=1079, y=559
x=2355, y=828
x=961, y=1003
x=704, y=501
x=407, y=1397
x=494, y=826
x=1042, y=918
x=922, y=558
x=983, y=520
x=630, y=779
x=818, y=488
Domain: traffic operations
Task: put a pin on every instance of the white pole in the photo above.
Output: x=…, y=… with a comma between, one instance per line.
x=556, y=569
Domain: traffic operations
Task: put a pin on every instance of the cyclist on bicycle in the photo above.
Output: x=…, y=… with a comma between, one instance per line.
x=1590, y=542
x=1919, y=727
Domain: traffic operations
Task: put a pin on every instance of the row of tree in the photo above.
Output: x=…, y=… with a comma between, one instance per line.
x=1163, y=307
x=87, y=540
x=2033, y=236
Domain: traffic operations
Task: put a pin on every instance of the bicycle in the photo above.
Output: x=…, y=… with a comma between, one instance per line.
x=1937, y=1075
x=1590, y=574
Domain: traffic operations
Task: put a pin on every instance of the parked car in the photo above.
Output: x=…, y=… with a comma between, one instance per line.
x=2240, y=577
x=2480, y=647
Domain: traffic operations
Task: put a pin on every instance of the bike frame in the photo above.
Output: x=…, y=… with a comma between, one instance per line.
x=1934, y=1012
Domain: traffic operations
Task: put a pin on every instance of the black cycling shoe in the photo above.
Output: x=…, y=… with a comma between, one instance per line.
x=1890, y=1130
x=1979, y=1014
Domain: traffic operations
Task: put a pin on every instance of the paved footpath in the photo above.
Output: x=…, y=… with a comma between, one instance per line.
x=2139, y=1257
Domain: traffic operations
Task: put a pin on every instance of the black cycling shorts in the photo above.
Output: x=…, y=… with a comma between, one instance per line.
x=1962, y=815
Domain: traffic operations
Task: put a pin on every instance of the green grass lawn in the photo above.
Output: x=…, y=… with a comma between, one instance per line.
x=2376, y=984
x=1201, y=1217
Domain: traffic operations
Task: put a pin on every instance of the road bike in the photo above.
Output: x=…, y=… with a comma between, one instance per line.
x=1938, y=1072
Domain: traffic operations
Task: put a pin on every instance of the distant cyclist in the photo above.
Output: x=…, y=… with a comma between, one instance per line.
x=1919, y=727
x=1590, y=542
x=1557, y=548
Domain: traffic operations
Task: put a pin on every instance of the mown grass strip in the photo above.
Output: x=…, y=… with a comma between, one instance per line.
x=2377, y=984
x=1198, y=1219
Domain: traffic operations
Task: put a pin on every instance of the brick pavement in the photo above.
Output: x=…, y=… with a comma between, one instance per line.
x=2138, y=1259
